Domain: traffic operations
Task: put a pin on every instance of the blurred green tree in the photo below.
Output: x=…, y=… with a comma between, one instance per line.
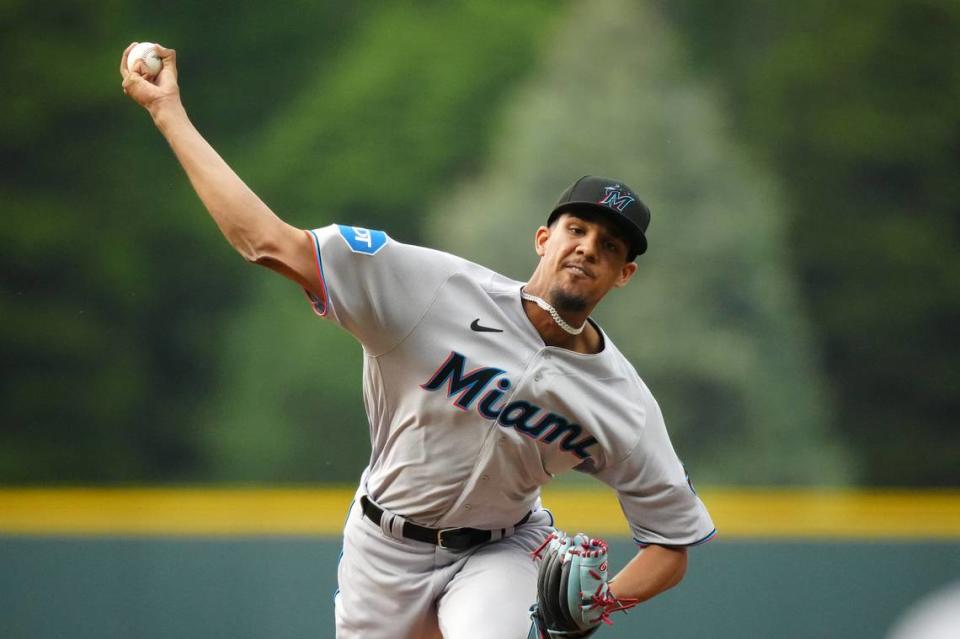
x=712, y=320
x=116, y=286
x=855, y=105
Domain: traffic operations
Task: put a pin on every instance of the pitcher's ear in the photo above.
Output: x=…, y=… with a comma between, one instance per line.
x=626, y=273
x=540, y=240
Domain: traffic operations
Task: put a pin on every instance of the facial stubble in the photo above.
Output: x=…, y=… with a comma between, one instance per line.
x=569, y=302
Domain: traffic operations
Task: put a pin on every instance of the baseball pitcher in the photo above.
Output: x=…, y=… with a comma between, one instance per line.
x=478, y=389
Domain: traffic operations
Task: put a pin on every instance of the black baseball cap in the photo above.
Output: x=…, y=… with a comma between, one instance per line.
x=611, y=199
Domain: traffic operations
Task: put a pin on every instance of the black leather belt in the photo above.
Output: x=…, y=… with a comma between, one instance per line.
x=449, y=538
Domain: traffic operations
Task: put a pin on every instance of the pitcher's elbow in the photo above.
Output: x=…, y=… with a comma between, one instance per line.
x=253, y=250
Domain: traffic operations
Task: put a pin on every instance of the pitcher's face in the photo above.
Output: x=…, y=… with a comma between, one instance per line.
x=581, y=259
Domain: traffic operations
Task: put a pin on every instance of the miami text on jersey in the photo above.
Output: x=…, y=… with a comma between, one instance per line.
x=550, y=428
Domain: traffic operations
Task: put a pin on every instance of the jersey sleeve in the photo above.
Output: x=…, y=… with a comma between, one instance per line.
x=376, y=288
x=654, y=491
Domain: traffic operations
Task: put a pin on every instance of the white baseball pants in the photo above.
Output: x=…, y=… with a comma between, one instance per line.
x=397, y=588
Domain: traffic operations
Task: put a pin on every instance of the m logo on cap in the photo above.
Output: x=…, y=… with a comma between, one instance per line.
x=614, y=199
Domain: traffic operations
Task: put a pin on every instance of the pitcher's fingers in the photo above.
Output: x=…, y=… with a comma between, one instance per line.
x=169, y=58
x=123, y=58
x=131, y=79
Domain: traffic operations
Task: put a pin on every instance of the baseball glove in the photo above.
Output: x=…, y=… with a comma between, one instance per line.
x=573, y=597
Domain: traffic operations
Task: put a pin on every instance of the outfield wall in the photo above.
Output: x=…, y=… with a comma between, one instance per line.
x=262, y=563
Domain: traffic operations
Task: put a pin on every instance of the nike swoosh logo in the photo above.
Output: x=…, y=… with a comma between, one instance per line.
x=475, y=326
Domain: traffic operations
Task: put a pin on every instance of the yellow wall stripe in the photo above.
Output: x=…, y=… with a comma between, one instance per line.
x=788, y=513
x=738, y=513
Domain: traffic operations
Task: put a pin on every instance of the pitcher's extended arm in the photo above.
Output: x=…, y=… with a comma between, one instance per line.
x=248, y=224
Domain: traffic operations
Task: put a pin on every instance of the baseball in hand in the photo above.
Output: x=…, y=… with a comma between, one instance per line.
x=146, y=51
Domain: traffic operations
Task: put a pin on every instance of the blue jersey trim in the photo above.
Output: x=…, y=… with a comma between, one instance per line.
x=708, y=537
x=320, y=306
x=552, y=521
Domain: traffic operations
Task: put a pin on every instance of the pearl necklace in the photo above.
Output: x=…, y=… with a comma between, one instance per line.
x=553, y=313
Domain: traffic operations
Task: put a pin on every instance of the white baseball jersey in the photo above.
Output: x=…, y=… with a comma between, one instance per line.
x=471, y=413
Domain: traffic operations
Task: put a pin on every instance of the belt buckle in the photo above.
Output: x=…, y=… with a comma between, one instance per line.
x=440, y=534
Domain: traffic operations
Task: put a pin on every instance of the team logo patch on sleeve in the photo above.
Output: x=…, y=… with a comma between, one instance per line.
x=361, y=240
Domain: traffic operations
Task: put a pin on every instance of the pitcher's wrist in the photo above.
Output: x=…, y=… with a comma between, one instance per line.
x=165, y=109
